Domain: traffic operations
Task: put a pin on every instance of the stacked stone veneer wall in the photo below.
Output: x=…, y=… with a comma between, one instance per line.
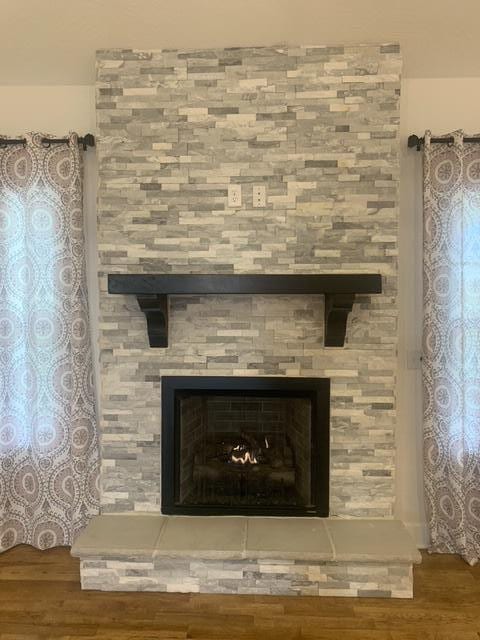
x=319, y=127
x=266, y=576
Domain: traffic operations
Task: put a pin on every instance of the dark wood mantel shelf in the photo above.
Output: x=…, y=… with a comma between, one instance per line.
x=152, y=291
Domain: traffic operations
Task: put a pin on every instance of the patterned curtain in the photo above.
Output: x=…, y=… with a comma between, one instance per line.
x=48, y=438
x=451, y=343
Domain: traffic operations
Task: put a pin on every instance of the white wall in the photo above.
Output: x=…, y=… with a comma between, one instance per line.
x=440, y=104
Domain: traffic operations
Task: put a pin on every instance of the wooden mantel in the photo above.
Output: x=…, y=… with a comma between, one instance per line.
x=152, y=291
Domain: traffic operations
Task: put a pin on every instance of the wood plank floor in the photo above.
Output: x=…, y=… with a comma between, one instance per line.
x=40, y=597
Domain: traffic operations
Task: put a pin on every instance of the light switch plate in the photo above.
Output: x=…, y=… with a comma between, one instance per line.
x=234, y=196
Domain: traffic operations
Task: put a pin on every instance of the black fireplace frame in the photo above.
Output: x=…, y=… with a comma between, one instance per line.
x=316, y=389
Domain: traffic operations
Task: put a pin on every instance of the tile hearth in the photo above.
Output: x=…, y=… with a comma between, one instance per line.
x=284, y=556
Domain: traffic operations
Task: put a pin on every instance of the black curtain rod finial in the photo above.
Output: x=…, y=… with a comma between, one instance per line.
x=415, y=141
x=88, y=140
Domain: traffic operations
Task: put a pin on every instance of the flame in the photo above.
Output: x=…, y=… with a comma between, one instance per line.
x=266, y=443
x=247, y=457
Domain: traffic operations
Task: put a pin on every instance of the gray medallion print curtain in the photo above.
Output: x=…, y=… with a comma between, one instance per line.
x=451, y=345
x=48, y=440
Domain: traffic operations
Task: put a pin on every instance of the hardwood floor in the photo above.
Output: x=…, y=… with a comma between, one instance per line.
x=40, y=597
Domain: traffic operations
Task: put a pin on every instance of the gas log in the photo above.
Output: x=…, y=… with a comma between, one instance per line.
x=226, y=457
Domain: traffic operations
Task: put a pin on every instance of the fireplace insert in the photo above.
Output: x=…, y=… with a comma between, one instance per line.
x=245, y=445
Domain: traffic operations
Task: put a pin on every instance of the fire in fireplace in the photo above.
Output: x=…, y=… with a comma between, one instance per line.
x=241, y=445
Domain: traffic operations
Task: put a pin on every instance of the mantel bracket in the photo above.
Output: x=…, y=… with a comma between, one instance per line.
x=337, y=308
x=155, y=308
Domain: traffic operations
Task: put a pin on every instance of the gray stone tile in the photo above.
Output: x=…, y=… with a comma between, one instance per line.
x=202, y=537
x=372, y=540
x=119, y=535
x=299, y=538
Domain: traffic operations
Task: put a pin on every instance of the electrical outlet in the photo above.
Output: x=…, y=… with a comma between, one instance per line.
x=234, y=196
x=259, y=196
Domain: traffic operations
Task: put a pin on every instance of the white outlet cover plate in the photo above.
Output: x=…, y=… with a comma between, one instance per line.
x=259, y=196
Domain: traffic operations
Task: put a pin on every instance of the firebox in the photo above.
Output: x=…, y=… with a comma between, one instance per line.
x=245, y=445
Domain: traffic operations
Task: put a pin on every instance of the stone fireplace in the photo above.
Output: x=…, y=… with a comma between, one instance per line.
x=318, y=128
x=243, y=445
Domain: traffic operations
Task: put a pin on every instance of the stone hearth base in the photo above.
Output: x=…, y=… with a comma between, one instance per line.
x=293, y=556
x=271, y=577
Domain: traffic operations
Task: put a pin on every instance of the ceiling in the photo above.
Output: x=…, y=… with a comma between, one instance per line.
x=54, y=41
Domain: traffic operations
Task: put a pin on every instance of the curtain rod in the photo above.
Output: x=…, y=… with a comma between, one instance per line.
x=88, y=140
x=416, y=141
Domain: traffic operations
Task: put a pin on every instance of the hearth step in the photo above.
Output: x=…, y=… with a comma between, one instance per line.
x=284, y=556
